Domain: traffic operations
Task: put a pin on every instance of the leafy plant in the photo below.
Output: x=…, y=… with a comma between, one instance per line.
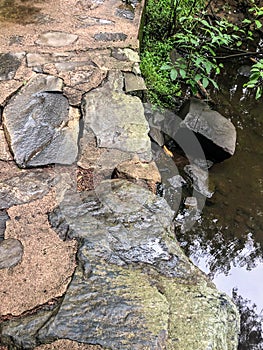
x=256, y=78
x=182, y=43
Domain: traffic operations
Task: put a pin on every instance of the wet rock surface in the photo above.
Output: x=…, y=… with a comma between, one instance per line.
x=132, y=280
x=89, y=263
x=110, y=125
x=216, y=134
x=36, y=123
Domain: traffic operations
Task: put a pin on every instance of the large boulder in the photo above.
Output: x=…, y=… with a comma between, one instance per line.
x=133, y=288
x=216, y=134
x=39, y=124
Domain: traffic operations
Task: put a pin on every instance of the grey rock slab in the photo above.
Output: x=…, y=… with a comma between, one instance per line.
x=21, y=332
x=133, y=278
x=3, y=219
x=9, y=64
x=56, y=39
x=24, y=188
x=125, y=13
x=36, y=123
x=11, y=253
x=125, y=54
x=216, y=134
x=134, y=82
x=87, y=21
x=133, y=289
x=116, y=119
x=106, y=36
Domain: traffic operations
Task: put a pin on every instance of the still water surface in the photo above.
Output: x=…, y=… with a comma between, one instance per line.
x=227, y=241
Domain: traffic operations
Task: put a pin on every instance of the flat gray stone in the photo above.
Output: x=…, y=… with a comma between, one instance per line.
x=11, y=252
x=105, y=36
x=39, y=125
x=134, y=83
x=24, y=188
x=56, y=39
x=116, y=119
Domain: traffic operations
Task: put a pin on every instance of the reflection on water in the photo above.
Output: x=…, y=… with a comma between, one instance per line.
x=227, y=242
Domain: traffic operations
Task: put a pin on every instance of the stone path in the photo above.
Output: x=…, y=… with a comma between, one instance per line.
x=88, y=258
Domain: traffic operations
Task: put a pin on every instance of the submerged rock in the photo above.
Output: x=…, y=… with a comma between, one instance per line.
x=200, y=179
x=216, y=134
x=11, y=252
x=39, y=125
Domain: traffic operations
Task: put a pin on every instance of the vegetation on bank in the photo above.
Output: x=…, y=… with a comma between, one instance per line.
x=185, y=43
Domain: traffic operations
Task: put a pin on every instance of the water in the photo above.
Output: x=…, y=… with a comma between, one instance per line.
x=227, y=241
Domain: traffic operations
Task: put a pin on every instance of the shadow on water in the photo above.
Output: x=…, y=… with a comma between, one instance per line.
x=19, y=11
x=227, y=242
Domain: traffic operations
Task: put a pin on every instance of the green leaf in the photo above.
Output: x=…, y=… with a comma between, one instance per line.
x=198, y=77
x=258, y=92
x=165, y=67
x=258, y=24
x=246, y=21
x=182, y=73
x=173, y=74
x=205, y=82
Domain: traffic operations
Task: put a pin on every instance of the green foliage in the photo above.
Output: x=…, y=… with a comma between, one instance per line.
x=161, y=90
x=256, y=78
x=181, y=43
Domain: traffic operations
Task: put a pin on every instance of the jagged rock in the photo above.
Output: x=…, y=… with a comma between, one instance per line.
x=143, y=174
x=129, y=307
x=125, y=54
x=122, y=124
x=125, y=12
x=87, y=21
x=134, y=288
x=200, y=179
x=191, y=203
x=56, y=39
x=68, y=345
x=177, y=181
x=4, y=150
x=9, y=63
x=216, y=134
x=39, y=125
x=3, y=219
x=110, y=36
x=11, y=252
x=24, y=188
x=134, y=83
